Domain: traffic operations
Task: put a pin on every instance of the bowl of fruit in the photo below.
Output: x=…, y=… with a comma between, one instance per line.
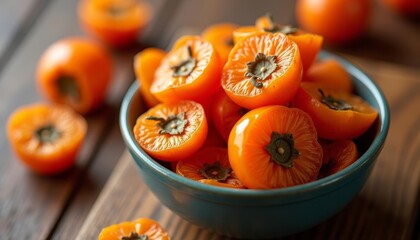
x=268, y=140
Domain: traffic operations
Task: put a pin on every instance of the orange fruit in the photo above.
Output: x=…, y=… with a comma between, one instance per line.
x=262, y=69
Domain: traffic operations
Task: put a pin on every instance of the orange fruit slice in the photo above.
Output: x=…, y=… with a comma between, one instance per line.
x=210, y=166
x=263, y=69
x=172, y=131
x=190, y=71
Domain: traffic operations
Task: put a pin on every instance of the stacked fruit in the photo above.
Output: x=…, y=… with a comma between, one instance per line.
x=249, y=107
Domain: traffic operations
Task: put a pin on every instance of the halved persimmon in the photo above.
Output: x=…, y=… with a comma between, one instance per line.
x=142, y=228
x=336, y=115
x=145, y=64
x=225, y=113
x=274, y=147
x=262, y=69
x=190, y=71
x=172, y=131
x=337, y=155
x=46, y=137
x=75, y=72
x=331, y=74
x=221, y=36
x=210, y=166
x=309, y=44
x=115, y=22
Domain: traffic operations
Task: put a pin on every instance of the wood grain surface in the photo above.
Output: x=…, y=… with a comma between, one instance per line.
x=384, y=209
x=36, y=207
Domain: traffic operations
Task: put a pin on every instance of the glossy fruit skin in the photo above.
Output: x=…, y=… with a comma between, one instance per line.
x=331, y=74
x=142, y=226
x=172, y=147
x=338, y=21
x=192, y=166
x=279, y=87
x=41, y=156
x=145, y=64
x=335, y=124
x=225, y=113
x=309, y=43
x=117, y=23
x=221, y=36
x=250, y=137
x=337, y=155
x=85, y=64
x=200, y=84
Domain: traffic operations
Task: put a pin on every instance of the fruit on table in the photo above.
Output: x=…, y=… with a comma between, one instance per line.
x=115, y=22
x=76, y=72
x=338, y=21
x=142, y=228
x=46, y=137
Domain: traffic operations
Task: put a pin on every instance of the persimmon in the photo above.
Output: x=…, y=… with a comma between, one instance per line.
x=210, y=166
x=76, y=72
x=274, y=147
x=330, y=73
x=243, y=32
x=337, y=155
x=225, y=113
x=115, y=22
x=214, y=139
x=336, y=115
x=172, y=131
x=45, y=137
x=338, y=21
x=262, y=69
x=190, y=71
x=309, y=44
x=145, y=64
x=142, y=228
x=221, y=36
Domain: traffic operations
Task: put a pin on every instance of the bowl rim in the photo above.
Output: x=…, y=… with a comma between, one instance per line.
x=367, y=158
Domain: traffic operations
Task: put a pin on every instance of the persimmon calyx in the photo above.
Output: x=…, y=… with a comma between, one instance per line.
x=333, y=103
x=215, y=171
x=282, y=149
x=67, y=86
x=185, y=68
x=47, y=134
x=261, y=68
x=135, y=236
x=276, y=28
x=173, y=124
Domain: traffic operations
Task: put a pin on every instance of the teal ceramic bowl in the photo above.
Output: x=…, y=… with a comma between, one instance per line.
x=261, y=213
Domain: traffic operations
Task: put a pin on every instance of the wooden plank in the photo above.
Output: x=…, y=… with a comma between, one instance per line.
x=16, y=18
x=30, y=205
x=384, y=209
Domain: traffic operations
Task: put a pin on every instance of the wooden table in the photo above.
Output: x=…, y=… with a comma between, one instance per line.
x=99, y=190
